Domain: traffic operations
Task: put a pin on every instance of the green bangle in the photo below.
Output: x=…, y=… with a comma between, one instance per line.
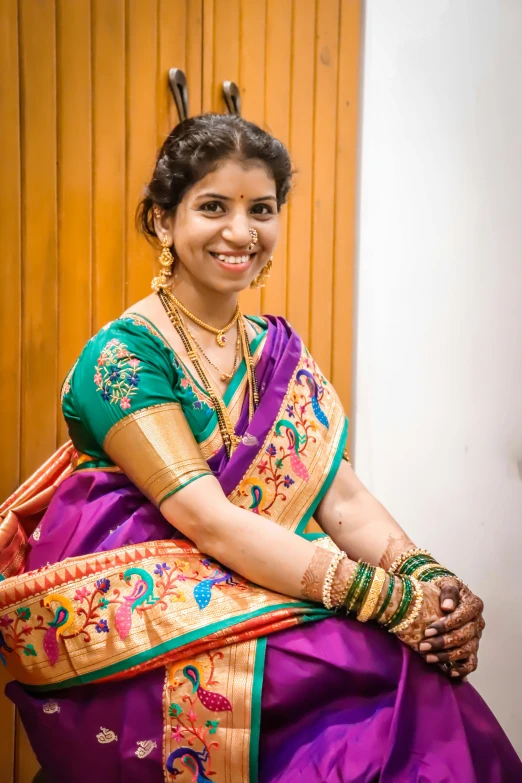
x=413, y=563
x=435, y=573
x=353, y=594
x=353, y=587
x=387, y=598
x=354, y=606
x=407, y=595
x=365, y=587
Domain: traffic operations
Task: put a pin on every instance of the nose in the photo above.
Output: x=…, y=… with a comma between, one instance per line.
x=237, y=230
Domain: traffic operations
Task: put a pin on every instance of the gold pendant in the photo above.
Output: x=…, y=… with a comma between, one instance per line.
x=221, y=339
x=226, y=377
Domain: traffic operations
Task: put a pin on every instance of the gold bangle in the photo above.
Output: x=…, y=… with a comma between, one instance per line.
x=368, y=608
x=405, y=556
x=417, y=606
x=423, y=568
x=329, y=577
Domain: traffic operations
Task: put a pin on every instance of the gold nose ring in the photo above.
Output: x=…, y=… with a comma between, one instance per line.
x=253, y=234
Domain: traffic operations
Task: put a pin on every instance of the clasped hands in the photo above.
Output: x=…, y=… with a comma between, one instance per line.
x=448, y=630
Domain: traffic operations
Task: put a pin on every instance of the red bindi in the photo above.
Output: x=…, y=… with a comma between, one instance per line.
x=242, y=196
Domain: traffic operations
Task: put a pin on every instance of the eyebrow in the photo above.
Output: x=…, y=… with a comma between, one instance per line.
x=227, y=198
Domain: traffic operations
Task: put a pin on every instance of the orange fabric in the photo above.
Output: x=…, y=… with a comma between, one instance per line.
x=22, y=511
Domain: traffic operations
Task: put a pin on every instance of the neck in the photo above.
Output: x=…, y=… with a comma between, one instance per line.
x=213, y=307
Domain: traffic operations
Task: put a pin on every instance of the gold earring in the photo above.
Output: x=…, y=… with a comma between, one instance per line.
x=166, y=260
x=261, y=280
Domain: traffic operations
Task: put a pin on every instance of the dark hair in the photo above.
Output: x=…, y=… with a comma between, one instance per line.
x=196, y=147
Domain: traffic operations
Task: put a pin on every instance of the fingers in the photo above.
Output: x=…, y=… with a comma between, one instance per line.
x=469, y=609
x=467, y=667
x=457, y=654
x=449, y=593
x=453, y=639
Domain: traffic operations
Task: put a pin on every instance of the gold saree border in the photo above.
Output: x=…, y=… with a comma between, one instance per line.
x=294, y=485
x=207, y=702
x=169, y=457
x=87, y=618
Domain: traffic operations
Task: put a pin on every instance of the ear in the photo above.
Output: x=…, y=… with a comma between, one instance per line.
x=162, y=223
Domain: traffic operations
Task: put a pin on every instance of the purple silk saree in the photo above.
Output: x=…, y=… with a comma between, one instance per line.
x=317, y=702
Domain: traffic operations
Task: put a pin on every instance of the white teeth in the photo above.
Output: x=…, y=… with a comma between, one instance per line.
x=233, y=259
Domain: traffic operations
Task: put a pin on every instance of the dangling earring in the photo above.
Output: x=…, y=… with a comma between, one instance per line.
x=166, y=260
x=261, y=280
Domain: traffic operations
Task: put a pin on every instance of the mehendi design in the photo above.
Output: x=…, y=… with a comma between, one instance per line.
x=397, y=544
x=313, y=578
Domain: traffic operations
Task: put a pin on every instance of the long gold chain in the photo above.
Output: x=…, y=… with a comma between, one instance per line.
x=225, y=376
x=220, y=333
x=230, y=439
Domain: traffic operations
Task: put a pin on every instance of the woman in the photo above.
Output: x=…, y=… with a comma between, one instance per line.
x=170, y=618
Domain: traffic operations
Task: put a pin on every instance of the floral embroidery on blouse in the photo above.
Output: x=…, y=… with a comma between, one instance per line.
x=116, y=375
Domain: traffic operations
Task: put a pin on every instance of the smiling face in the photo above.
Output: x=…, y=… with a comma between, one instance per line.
x=210, y=228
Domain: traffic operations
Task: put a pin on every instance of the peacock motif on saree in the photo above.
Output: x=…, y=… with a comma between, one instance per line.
x=195, y=761
x=4, y=646
x=192, y=760
x=63, y=621
x=214, y=702
x=258, y=492
x=142, y=592
x=295, y=441
x=315, y=395
x=203, y=590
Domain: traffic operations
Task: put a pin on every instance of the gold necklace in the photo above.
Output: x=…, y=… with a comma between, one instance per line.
x=230, y=439
x=220, y=333
x=226, y=377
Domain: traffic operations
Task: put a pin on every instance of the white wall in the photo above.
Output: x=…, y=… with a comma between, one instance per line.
x=438, y=392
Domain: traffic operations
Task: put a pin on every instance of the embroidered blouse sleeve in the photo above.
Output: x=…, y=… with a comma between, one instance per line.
x=125, y=390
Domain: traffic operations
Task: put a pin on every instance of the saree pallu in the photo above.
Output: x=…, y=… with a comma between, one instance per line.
x=139, y=658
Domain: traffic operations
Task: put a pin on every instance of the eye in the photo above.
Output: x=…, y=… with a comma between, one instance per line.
x=267, y=207
x=209, y=206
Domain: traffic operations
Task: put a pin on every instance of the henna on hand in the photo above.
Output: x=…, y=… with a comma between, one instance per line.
x=469, y=609
x=314, y=576
x=428, y=615
x=459, y=653
x=454, y=639
x=397, y=544
x=462, y=670
x=449, y=592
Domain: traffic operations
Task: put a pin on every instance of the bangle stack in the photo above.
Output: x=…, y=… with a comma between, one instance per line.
x=372, y=597
x=399, y=622
x=419, y=564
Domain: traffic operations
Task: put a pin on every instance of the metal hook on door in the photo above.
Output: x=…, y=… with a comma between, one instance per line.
x=232, y=98
x=178, y=87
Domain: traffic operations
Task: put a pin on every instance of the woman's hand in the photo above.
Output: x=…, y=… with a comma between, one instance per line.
x=429, y=614
x=453, y=640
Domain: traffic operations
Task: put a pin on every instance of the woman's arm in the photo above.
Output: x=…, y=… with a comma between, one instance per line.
x=363, y=528
x=253, y=546
x=358, y=523
x=269, y=555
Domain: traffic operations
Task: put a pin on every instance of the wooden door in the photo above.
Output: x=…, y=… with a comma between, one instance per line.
x=84, y=105
x=296, y=63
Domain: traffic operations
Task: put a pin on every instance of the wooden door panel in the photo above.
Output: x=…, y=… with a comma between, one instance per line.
x=85, y=104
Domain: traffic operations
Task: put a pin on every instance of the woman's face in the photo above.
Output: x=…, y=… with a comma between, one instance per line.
x=214, y=219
